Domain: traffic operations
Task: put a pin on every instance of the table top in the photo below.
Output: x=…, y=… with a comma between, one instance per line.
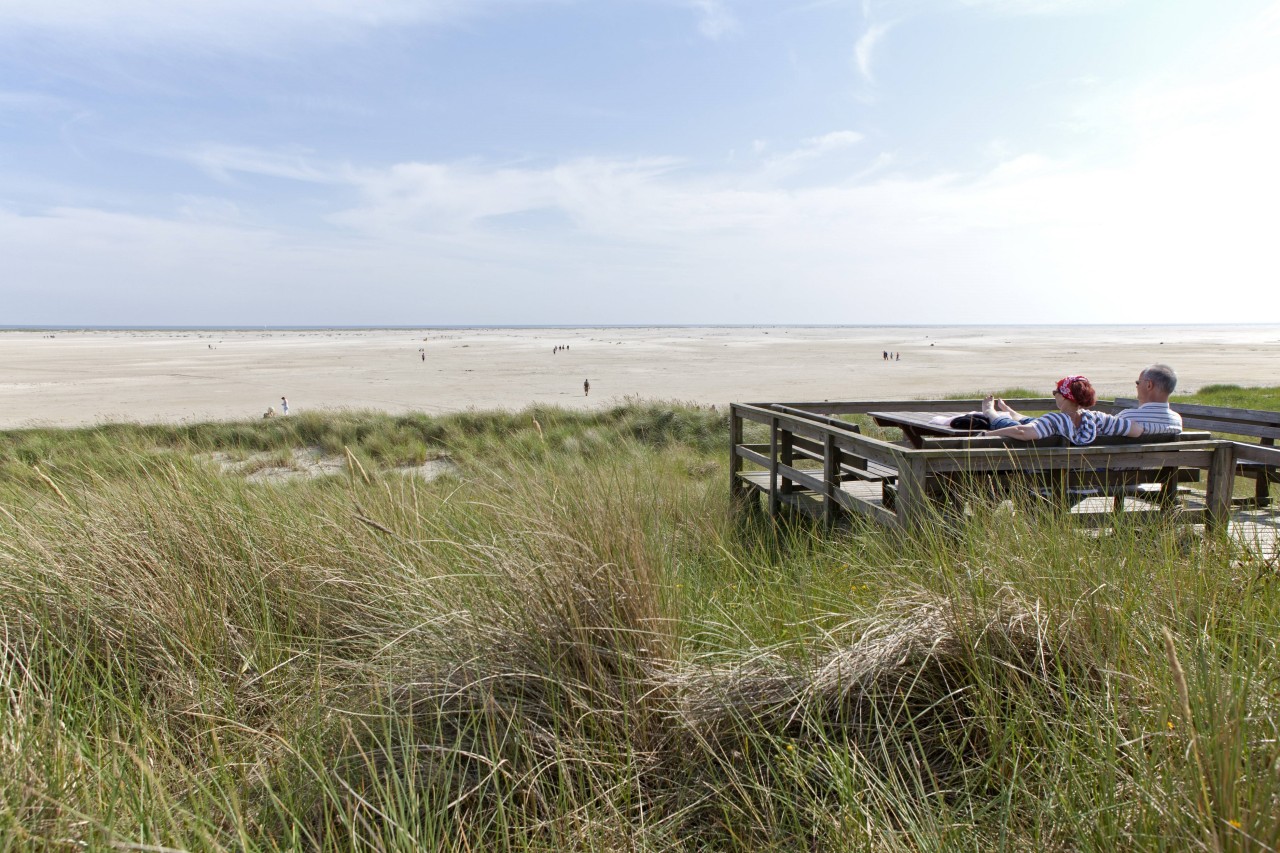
x=922, y=422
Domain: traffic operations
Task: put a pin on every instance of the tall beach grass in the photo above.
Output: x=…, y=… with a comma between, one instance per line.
x=574, y=643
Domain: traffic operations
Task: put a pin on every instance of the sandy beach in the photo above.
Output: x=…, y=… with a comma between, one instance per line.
x=72, y=378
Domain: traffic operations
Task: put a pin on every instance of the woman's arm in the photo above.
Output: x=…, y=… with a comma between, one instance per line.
x=1022, y=432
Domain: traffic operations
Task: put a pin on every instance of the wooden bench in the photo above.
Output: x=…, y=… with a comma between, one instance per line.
x=1255, y=423
x=1159, y=485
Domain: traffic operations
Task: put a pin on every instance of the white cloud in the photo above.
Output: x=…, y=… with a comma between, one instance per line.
x=222, y=161
x=715, y=18
x=811, y=151
x=864, y=49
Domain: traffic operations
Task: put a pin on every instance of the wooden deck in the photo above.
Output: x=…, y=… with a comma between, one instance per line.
x=823, y=466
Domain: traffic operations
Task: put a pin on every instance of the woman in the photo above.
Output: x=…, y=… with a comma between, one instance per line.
x=1074, y=419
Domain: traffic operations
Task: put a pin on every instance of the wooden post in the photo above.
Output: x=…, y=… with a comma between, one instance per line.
x=1222, y=477
x=912, y=500
x=786, y=455
x=1262, y=485
x=1168, y=480
x=773, y=468
x=830, y=479
x=737, y=491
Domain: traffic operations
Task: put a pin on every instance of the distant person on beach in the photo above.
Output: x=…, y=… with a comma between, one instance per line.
x=284, y=406
x=586, y=387
x=269, y=413
x=1154, y=385
x=1074, y=420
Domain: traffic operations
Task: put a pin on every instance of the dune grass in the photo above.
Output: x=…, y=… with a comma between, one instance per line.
x=576, y=644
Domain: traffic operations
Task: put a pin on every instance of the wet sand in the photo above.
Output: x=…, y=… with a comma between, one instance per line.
x=77, y=378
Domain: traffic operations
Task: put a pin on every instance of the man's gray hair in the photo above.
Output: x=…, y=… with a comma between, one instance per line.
x=1162, y=376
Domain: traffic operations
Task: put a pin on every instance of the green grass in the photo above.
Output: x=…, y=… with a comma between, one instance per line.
x=576, y=644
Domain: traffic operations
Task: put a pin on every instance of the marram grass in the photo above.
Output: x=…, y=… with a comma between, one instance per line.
x=573, y=643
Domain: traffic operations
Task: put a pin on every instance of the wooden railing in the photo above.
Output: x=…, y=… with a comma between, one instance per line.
x=847, y=472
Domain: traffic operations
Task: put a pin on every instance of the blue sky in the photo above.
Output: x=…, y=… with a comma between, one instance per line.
x=376, y=162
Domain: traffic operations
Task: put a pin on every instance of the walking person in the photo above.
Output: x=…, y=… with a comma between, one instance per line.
x=586, y=387
x=284, y=406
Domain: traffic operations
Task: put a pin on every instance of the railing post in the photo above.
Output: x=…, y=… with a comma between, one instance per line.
x=773, y=468
x=1222, y=477
x=830, y=479
x=1262, y=484
x=786, y=455
x=737, y=490
x=912, y=500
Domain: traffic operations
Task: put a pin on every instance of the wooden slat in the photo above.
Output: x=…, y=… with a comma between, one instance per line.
x=752, y=456
x=866, y=506
x=804, y=478
x=1257, y=453
x=861, y=407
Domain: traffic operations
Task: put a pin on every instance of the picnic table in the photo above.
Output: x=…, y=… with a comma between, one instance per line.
x=916, y=426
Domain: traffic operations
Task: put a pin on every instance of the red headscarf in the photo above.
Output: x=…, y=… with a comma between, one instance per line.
x=1064, y=387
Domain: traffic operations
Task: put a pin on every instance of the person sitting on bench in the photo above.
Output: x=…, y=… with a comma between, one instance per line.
x=1155, y=384
x=1074, y=419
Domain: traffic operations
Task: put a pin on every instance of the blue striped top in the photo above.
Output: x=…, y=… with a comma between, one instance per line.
x=1092, y=425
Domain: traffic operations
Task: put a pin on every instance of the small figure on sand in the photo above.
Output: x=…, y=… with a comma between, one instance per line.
x=284, y=406
x=269, y=413
x=586, y=387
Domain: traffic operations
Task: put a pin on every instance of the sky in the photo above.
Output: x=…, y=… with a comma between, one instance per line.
x=524, y=162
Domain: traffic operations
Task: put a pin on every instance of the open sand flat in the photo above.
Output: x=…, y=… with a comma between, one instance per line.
x=77, y=378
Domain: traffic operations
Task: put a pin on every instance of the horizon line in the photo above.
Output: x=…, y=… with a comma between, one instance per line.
x=74, y=327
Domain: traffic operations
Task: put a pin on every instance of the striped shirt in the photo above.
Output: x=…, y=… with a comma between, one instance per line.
x=1092, y=425
x=1156, y=418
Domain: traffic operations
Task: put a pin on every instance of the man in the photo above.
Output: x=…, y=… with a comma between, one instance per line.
x=1155, y=384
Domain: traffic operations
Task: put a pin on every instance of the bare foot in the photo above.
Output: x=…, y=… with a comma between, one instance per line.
x=989, y=406
x=1003, y=406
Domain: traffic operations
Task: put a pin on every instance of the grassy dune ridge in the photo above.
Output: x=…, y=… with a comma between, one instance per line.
x=574, y=643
